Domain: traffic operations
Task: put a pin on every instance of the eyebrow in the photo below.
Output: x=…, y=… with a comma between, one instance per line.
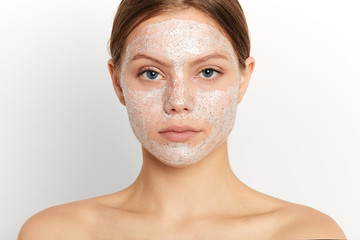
x=195, y=62
x=210, y=56
x=141, y=55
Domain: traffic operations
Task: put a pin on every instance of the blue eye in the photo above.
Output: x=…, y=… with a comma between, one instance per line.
x=152, y=75
x=208, y=73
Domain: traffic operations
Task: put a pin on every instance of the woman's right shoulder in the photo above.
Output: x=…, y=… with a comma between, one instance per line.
x=67, y=221
x=76, y=220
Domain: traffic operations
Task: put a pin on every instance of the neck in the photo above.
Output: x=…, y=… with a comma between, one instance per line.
x=201, y=189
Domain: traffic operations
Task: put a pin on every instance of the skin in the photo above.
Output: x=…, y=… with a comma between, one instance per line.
x=180, y=94
x=203, y=200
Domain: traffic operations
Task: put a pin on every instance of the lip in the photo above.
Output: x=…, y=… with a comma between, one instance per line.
x=179, y=133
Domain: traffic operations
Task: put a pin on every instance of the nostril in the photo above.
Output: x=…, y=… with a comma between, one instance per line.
x=177, y=109
x=177, y=102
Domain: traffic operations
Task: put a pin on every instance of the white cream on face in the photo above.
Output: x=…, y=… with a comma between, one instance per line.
x=212, y=110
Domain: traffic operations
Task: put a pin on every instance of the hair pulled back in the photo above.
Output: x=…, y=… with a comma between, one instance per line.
x=228, y=14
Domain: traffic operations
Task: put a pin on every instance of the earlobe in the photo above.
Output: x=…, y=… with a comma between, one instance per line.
x=116, y=81
x=245, y=77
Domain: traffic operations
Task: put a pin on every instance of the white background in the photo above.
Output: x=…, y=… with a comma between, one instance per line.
x=64, y=136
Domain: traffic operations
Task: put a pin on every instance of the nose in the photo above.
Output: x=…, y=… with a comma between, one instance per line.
x=176, y=101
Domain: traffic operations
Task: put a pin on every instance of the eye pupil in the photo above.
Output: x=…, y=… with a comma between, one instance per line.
x=208, y=73
x=152, y=74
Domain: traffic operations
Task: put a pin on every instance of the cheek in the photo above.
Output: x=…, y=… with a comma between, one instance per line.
x=219, y=111
x=143, y=108
x=218, y=107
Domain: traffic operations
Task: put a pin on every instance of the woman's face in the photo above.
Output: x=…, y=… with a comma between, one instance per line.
x=180, y=80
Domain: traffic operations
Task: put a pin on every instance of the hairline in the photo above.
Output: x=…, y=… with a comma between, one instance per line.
x=146, y=17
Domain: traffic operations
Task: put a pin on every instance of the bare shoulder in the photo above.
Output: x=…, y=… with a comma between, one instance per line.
x=88, y=219
x=302, y=222
x=60, y=222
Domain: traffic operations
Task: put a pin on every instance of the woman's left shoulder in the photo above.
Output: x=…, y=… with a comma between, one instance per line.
x=303, y=222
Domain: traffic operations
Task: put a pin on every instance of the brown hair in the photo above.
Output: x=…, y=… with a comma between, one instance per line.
x=227, y=13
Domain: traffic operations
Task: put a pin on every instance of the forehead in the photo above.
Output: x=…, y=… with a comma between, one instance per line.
x=185, y=14
x=188, y=31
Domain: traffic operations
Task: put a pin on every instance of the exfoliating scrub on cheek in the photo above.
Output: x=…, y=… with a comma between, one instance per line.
x=176, y=100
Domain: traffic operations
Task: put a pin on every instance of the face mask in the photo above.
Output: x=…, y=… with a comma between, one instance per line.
x=152, y=97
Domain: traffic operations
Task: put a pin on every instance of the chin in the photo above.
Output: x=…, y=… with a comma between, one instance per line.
x=184, y=165
x=176, y=159
x=181, y=155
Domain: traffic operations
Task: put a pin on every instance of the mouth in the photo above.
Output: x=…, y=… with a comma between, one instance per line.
x=179, y=133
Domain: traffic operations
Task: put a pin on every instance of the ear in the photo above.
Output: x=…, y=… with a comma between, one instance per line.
x=116, y=81
x=245, y=77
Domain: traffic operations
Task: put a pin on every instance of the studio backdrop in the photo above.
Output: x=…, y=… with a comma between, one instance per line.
x=64, y=136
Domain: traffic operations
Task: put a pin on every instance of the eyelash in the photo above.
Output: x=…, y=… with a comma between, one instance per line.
x=211, y=78
x=147, y=69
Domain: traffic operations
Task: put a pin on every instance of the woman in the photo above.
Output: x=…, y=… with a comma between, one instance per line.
x=181, y=67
